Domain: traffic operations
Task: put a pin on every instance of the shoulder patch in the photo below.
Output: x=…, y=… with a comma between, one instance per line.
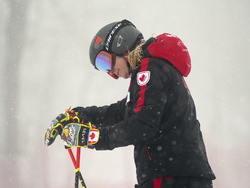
x=143, y=78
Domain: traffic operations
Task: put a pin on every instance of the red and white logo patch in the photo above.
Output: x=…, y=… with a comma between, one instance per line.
x=143, y=78
x=93, y=136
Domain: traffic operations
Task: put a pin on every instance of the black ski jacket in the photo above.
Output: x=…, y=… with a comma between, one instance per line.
x=158, y=116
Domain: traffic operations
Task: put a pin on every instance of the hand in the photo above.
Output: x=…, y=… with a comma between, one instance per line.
x=75, y=135
x=57, y=125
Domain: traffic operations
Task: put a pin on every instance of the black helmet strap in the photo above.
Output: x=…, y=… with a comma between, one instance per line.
x=113, y=31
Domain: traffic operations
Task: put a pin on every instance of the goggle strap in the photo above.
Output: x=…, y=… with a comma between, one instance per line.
x=125, y=56
x=114, y=30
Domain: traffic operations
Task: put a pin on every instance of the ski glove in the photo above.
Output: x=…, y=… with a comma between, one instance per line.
x=80, y=135
x=57, y=125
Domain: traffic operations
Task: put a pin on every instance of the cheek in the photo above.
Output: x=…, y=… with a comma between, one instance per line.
x=120, y=62
x=116, y=64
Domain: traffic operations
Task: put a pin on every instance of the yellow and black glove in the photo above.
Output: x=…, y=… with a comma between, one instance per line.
x=80, y=135
x=57, y=125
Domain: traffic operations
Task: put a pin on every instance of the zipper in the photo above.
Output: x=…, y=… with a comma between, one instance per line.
x=148, y=152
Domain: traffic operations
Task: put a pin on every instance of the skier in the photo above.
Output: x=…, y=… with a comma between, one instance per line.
x=157, y=116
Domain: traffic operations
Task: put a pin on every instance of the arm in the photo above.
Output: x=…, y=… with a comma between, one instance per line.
x=105, y=115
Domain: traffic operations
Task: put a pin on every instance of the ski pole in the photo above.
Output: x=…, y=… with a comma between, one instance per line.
x=76, y=163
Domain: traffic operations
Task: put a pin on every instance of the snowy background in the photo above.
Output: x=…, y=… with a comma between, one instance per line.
x=45, y=68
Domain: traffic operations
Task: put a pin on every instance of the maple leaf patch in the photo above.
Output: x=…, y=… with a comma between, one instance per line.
x=143, y=78
x=93, y=136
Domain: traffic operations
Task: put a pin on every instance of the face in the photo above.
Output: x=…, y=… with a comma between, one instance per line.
x=120, y=69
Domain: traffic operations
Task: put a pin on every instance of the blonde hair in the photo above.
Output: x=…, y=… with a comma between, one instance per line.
x=135, y=56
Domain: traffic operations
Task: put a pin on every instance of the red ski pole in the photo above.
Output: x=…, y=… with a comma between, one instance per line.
x=76, y=164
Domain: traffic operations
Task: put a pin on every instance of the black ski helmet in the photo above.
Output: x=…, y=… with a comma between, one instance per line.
x=116, y=38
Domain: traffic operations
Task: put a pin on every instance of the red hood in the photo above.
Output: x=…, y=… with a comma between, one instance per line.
x=171, y=48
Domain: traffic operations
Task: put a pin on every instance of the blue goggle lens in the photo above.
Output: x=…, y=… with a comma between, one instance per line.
x=103, y=61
